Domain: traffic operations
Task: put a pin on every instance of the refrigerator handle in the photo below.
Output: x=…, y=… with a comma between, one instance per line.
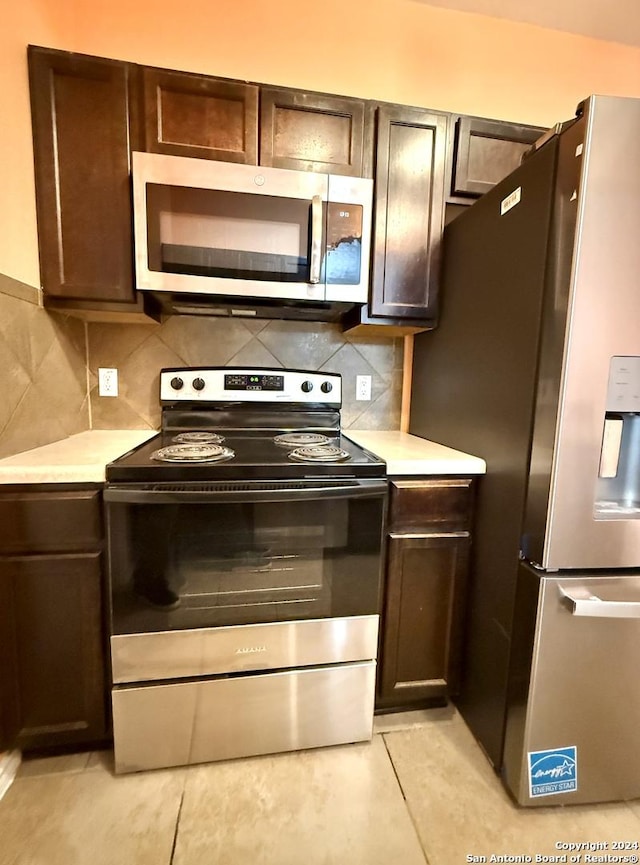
x=581, y=602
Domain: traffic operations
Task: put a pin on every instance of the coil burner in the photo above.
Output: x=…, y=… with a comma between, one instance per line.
x=303, y=439
x=319, y=454
x=198, y=437
x=193, y=453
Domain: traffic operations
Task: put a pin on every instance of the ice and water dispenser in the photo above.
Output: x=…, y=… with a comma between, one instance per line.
x=618, y=484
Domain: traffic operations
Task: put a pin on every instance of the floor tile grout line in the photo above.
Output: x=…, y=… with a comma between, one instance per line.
x=413, y=822
x=175, y=834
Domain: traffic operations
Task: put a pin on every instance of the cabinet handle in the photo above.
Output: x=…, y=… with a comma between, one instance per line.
x=316, y=239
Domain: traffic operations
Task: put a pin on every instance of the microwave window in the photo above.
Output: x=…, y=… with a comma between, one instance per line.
x=202, y=232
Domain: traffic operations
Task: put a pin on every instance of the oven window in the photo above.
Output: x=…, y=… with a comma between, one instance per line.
x=178, y=566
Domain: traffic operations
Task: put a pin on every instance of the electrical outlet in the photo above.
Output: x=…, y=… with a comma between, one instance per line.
x=363, y=387
x=108, y=382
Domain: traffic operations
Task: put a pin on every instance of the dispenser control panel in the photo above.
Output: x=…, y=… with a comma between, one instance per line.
x=623, y=391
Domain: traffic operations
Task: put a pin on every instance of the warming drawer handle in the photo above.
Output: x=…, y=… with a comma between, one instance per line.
x=316, y=239
x=158, y=496
x=584, y=603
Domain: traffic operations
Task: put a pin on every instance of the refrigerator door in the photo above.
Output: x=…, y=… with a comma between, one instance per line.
x=602, y=335
x=572, y=734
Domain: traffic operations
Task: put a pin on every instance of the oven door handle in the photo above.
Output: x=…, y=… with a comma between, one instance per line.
x=242, y=495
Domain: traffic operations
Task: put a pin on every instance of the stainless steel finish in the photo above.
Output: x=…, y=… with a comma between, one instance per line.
x=241, y=648
x=207, y=174
x=316, y=239
x=214, y=389
x=581, y=601
x=218, y=719
x=606, y=266
x=583, y=692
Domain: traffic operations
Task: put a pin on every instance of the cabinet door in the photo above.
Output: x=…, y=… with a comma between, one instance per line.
x=80, y=114
x=423, y=614
x=483, y=152
x=408, y=212
x=314, y=132
x=55, y=603
x=196, y=115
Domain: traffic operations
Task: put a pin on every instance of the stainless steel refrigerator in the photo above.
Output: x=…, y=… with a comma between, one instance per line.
x=535, y=367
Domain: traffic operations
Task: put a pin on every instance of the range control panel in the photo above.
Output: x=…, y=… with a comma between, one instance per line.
x=240, y=384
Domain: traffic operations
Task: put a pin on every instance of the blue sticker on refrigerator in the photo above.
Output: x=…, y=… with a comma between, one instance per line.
x=554, y=771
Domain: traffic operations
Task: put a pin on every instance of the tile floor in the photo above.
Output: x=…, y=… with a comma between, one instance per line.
x=420, y=792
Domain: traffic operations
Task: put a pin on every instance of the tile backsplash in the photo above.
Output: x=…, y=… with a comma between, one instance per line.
x=49, y=366
x=44, y=376
x=138, y=352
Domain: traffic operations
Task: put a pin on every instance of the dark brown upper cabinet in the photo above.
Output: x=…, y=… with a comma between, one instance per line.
x=200, y=116
x=315, y=132
x=482, y=152
x=408, y=213
x=81, y=126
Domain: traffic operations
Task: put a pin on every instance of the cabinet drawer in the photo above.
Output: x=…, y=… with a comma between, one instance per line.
x=435, y=505
x=41, y=522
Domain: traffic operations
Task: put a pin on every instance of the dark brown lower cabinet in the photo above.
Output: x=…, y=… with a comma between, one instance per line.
x=426, y=582
x=52, y=647
x=425, y=593
x=57, y=609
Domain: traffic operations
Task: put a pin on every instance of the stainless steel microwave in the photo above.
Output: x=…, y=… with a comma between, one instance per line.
x=219, y=229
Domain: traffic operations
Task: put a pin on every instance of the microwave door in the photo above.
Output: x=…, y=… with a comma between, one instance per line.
x=212, y=228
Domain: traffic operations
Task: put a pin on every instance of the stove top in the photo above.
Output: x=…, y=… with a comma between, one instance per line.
x=237, y=423
x=254, y=457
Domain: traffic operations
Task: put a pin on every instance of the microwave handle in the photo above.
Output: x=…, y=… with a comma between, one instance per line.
x=316, y=239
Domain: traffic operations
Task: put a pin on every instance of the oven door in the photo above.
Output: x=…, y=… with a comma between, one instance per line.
x=184, y=557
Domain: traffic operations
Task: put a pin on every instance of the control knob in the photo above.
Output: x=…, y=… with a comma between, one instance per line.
x=307, y=386
x=198, y=384
x=177, y=383
x=326, y=387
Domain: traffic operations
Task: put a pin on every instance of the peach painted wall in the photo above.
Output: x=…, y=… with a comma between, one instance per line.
x=396, y=50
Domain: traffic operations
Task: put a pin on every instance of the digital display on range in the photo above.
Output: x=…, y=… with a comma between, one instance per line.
x=254, y=382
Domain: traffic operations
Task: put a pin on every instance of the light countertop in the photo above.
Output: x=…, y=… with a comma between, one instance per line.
x=81, y=458
x=407, y=454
